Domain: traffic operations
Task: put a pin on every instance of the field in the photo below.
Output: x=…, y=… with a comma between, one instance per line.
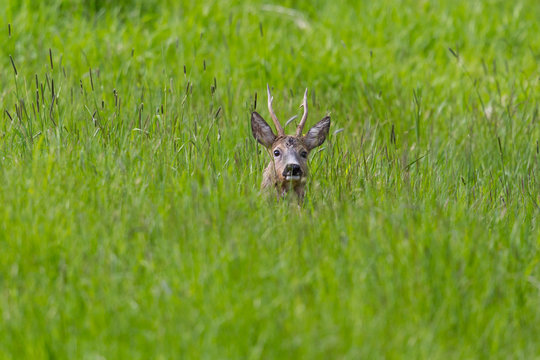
x=131, y=223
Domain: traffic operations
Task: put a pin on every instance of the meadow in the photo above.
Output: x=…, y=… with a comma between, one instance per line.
x=131, y=223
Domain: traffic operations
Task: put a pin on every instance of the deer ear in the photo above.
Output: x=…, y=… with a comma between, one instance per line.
x=317, y=134
x=261, y=130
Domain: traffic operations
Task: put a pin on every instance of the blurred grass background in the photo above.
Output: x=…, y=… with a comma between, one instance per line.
x=131, y=223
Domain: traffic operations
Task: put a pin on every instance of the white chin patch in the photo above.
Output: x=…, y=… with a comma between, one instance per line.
x=292, y=177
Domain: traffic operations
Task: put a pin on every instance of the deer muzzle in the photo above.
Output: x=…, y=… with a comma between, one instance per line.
x=292, y=172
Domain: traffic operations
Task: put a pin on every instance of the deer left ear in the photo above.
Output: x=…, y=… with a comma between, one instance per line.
x=317, y=134
x=261, y=130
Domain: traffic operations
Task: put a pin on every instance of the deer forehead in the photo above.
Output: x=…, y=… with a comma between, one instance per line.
x=289, y=142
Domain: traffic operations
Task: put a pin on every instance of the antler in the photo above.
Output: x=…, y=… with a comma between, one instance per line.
x=279, y=129
x=304, y=117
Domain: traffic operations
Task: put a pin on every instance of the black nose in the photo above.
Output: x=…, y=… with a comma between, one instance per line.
x=292, y=170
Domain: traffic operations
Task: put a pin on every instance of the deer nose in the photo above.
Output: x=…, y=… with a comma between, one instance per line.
x=292, y=170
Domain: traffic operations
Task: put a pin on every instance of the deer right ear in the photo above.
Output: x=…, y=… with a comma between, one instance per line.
x=261, y=130
x=317, y=134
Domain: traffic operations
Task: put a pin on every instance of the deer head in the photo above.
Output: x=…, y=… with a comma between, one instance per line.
x=288, y=169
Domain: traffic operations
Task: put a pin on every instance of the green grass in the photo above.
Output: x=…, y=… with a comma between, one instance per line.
x=131, y=224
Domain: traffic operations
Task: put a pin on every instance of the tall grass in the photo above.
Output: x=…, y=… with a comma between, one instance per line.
x=131, y=224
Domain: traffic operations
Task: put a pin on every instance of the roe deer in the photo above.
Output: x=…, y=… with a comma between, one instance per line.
x=288, y=169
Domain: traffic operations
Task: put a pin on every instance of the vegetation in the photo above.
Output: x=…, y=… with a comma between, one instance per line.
x=131, y=224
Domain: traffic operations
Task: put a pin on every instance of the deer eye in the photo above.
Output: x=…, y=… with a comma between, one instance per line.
x=303, y=154
x=276, y=153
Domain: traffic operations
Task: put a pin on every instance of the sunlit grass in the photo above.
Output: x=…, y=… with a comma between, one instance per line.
x=131, y=224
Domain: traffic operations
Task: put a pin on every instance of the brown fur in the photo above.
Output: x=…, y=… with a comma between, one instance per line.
x=289, y=146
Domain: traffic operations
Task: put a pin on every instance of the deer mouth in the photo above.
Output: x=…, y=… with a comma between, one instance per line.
x=293, y=177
